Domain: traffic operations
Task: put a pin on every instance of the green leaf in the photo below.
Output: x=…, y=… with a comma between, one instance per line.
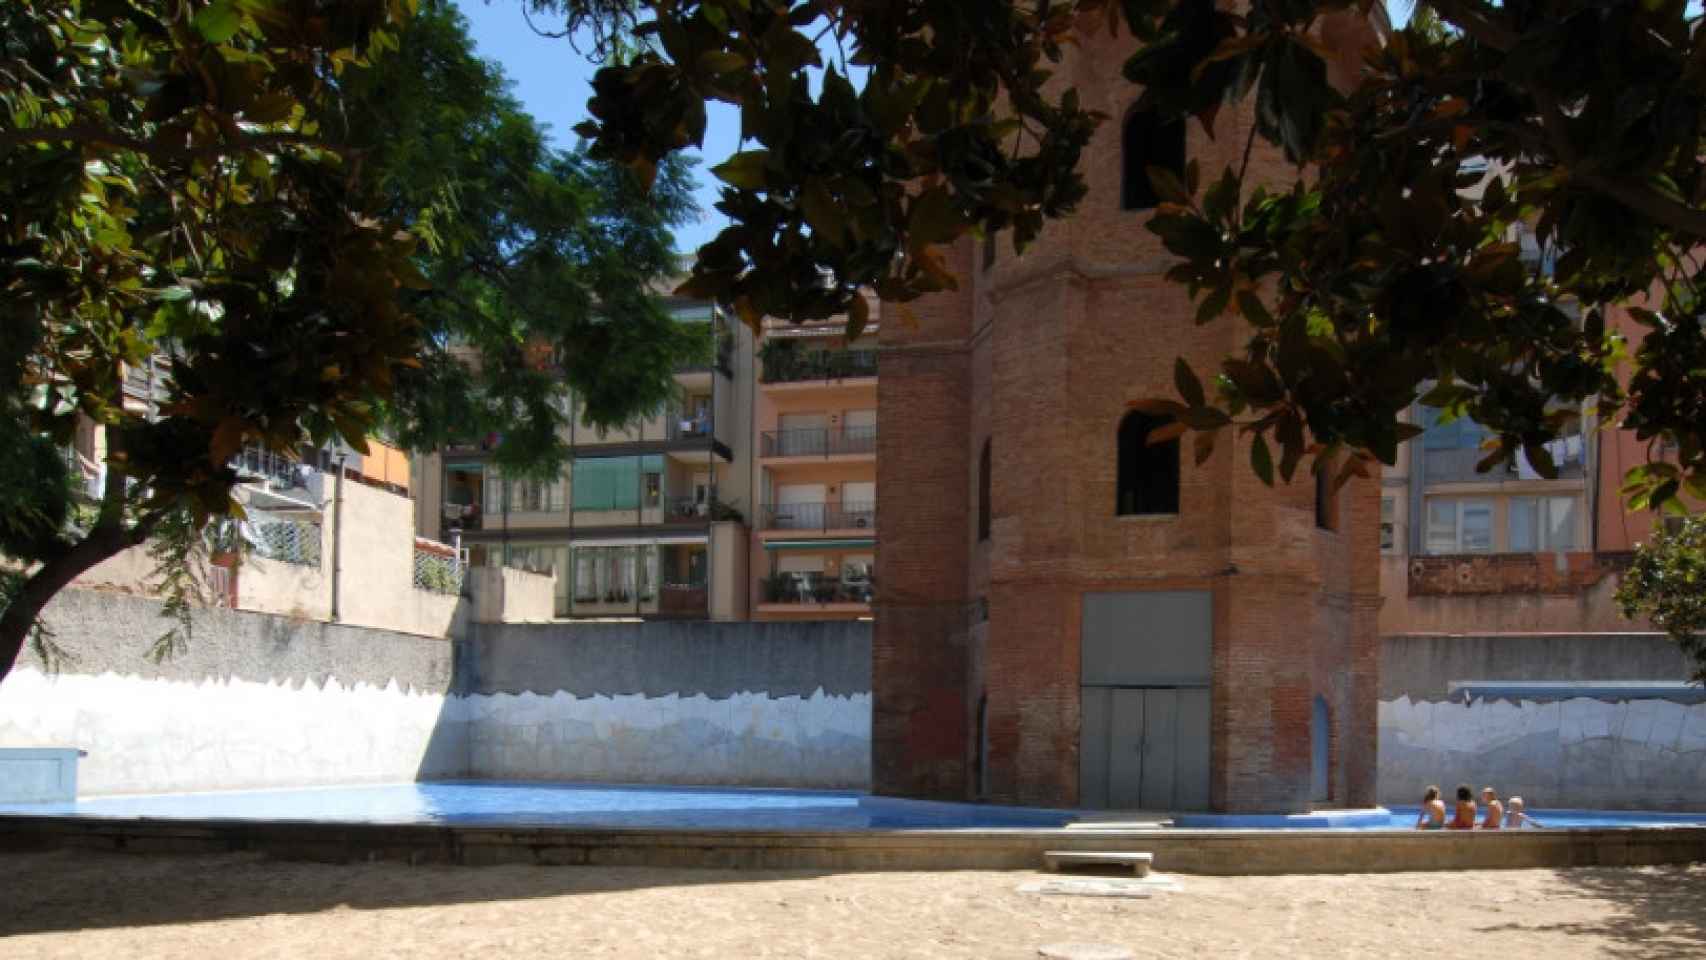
x=1261, y=460
x=1168, y=186
x=744, y=170
x=218, y=22
x=1189, y=387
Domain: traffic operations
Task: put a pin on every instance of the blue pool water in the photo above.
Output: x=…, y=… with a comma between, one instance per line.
x=487, y=803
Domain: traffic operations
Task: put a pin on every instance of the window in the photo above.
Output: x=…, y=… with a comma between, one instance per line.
x=620, y=574
x=1147, y=141
x=1326, y=499
x=1542, y=524
x=616, y=483
x=1388, y=524
x=1457, y=525
x=983, y=493
x=1148, y=473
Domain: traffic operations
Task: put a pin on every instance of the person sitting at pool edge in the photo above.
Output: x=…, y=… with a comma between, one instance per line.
x=1432, y=816
x=1464, y=818
x=1495, y=810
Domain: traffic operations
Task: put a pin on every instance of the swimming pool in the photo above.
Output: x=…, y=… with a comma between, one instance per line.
x=524, y=804
x=488, y=803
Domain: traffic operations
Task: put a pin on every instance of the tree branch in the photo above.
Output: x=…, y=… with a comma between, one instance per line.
x=92, y=135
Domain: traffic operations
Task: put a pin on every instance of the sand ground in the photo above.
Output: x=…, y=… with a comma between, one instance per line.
x=67, y=904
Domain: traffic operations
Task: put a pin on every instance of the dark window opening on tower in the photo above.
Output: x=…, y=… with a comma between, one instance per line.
x=1148, y=141
x=1148, y=473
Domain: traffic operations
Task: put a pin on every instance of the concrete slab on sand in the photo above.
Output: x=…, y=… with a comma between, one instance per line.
x=1119, y=888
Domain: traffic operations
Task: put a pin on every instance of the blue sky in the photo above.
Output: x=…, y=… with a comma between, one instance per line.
x=552, y=82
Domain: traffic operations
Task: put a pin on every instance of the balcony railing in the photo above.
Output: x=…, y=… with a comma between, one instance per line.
x=686, y=510
x=819, y=442
x=818, y=516
x=796, y=366
x=812, y=589
x=683, y=425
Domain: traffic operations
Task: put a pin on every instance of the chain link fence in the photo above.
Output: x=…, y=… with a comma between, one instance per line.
x=439, y=568
x=284, y=539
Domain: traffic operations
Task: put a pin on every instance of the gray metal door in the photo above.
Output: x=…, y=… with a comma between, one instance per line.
x=1320, y=789
x=1125, y=749
x=1144, y=701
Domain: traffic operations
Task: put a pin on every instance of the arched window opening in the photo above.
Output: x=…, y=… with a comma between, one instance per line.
x=1148, y=473
x=983, y=493
x=1148, y=141
x=1326, y=499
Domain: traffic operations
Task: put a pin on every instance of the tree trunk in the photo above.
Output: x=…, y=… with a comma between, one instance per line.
x=49, y=579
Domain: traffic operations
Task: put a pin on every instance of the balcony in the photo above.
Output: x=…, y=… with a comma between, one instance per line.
x=1458, y=465
x=293, y=481
x=689, y=425
x=816, y=591
x=819, y=442
x=820, y=517
x=800, y=366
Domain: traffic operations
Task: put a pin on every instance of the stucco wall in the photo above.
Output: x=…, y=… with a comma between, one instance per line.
x=1569, y=753
x=253, y=701
x=375, y=575
x=783, y=704
x=1423, y=667
x=1576, y=753
x=507, y=595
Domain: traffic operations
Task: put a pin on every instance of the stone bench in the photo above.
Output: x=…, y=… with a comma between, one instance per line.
x=1059, y=860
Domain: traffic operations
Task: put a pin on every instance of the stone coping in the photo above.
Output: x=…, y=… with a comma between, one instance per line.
x=1212, y=852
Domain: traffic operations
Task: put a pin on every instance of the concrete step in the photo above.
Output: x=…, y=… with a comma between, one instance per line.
x=1058, y=860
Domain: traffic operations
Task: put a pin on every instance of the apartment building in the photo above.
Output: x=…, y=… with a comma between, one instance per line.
x=649, y=520
x=1509, y=551
x=815, y=436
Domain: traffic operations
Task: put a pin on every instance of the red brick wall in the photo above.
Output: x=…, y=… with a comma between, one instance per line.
x=920, y=711
x=1042, y=354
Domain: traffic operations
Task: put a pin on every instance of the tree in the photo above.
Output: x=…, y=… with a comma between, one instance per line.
x=1666, y=583
x=542, y=265
x=164, y=187
x=1375, y=278
x=330, y=218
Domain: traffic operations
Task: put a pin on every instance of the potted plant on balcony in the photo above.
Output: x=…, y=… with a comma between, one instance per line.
x=779, y=358
x=774, y=588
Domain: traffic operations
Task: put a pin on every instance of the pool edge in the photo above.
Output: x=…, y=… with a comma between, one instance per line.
x=1207, y=852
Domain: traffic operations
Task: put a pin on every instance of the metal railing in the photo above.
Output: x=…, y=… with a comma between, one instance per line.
x=796, y=366
x=275, y=469
x=814, y=588
x=819, y=442
x=684, y=425
x=685, y=510
x=439, y=568
x=818, y=516
x=284, y=539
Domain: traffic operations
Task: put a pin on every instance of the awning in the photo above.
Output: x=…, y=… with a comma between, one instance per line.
x=639, y=541
x=866, y=543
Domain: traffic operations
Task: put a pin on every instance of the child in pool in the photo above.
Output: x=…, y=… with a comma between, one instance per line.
x=1516, y=819
x=1432, y=816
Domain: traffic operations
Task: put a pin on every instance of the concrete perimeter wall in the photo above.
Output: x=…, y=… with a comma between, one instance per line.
x=1575, y=752
x=253, y=701
x=758, y=704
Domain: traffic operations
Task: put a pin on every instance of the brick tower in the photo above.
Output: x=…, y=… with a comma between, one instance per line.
x=1051, y=628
